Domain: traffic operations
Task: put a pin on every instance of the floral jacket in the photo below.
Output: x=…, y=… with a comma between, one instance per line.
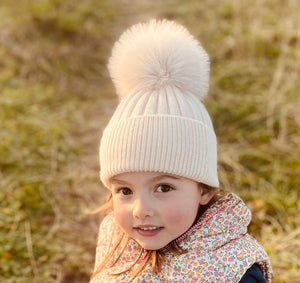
x=218, y=249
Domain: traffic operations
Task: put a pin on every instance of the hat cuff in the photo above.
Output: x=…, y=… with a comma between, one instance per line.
x=160, y=143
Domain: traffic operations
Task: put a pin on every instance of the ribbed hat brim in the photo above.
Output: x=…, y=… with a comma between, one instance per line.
x=160, y=143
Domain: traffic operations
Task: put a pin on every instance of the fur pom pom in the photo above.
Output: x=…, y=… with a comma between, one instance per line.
x=157, y=55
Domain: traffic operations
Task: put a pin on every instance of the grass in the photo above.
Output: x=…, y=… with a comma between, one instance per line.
x=56, y=98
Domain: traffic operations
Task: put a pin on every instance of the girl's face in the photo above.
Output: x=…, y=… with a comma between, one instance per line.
x=155, y=208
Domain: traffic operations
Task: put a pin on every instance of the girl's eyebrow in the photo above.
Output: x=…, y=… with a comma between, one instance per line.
x=161, y=177
x=117, y=181
x=152, y=180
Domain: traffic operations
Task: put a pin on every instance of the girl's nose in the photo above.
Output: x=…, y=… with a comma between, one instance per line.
x=142, y=209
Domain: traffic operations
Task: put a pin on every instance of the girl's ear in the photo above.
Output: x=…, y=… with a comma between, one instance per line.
x=206, y=194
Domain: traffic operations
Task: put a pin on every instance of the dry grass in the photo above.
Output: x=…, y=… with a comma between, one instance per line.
x=56, y=98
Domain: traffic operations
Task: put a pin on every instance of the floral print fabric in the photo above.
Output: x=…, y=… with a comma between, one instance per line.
x=218, y=249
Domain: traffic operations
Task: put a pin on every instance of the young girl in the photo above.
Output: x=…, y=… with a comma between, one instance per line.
x=158, y=158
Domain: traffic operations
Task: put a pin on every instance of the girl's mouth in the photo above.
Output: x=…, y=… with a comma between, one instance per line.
x=148, y=231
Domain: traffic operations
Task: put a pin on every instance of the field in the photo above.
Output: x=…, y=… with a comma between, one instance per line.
x=56, y=98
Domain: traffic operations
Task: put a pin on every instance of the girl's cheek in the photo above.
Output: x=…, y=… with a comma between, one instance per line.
x=120, y=216
x=173, y=212
x=178, y=214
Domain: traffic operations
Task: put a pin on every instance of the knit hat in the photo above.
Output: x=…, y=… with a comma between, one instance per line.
x=161, y=74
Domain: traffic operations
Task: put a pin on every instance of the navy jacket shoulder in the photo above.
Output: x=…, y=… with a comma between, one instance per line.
x=253, y=275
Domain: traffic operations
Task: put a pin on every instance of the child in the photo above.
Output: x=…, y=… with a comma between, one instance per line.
x=158, y=158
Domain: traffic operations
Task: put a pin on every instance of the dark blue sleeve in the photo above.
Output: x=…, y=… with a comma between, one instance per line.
x=253, y=275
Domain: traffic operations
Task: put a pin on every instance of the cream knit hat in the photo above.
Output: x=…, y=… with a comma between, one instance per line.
x=161, y=74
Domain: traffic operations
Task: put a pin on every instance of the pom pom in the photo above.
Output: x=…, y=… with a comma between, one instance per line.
x=158, y=55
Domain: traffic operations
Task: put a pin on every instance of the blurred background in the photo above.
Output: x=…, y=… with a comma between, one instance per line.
x=56, y=97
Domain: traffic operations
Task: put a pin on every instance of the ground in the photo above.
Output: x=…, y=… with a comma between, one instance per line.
x=56, y=98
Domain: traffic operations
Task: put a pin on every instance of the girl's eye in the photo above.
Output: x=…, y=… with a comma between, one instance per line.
x=164, y=188
x=125, y=191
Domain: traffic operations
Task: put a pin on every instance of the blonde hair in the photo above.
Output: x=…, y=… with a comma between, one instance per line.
x=154, y=257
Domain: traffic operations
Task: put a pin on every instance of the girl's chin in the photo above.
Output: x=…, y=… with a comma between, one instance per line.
x=150, y=247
